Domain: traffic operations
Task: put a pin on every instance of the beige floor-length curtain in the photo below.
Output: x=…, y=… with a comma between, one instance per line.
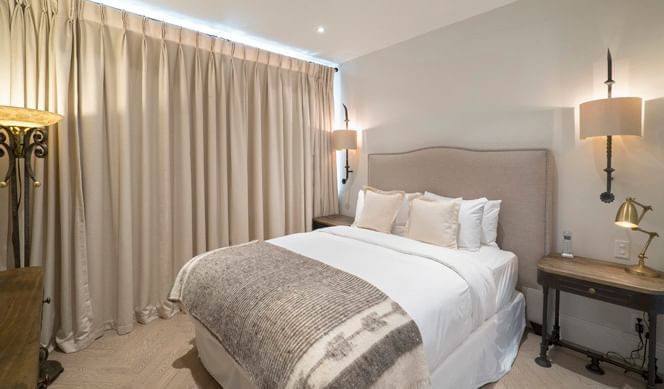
x=173, y=143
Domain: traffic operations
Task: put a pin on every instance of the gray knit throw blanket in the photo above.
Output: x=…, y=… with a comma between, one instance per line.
x=293, y=322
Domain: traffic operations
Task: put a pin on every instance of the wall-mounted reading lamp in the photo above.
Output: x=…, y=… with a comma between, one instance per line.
x=610, y=117
x=345, y=140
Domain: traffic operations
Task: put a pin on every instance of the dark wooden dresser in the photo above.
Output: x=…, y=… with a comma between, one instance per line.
x=21, y=296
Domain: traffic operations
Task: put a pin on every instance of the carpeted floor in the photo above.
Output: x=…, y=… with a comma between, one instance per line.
x=162, y=355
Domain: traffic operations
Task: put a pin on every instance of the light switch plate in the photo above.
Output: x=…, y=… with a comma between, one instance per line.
x=621, y=249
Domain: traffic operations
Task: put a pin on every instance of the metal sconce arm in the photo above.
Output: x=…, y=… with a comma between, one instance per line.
x=608, y=197
x=347, y=167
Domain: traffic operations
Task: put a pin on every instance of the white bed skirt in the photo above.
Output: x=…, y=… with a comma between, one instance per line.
x=486, y=355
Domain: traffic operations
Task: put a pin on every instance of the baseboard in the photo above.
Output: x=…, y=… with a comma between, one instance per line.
x=536, y=327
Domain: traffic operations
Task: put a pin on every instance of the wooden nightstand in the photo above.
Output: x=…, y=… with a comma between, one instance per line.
x=331, y=221
x=604, y=281
x=21, y=301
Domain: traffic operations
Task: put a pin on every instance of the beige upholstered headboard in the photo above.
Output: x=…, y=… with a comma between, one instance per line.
x=521, y=178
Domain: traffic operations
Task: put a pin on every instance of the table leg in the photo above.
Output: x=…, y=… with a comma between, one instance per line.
x=652, y=349
x=542, y=360
x=555, y=334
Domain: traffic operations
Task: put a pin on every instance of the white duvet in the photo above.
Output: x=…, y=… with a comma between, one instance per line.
x=448, y=293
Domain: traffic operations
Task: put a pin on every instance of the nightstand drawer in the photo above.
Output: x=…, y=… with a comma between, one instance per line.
x=597, y=291
x=609, y=294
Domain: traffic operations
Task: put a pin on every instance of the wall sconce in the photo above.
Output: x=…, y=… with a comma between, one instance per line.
x=628, y=217
x=345, y=140
x=610, y=117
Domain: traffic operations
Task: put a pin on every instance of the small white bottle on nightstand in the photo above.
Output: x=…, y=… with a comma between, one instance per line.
x=567, y=245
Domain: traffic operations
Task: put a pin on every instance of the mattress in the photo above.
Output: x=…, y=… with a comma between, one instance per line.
x=504, y=267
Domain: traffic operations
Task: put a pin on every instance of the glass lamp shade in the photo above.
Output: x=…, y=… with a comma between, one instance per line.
x=344, y=139
x=627, y=216
x=26, y=118
x=608, y=117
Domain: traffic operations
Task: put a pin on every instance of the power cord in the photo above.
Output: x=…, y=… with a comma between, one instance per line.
x=645, y=351
x=639, y=354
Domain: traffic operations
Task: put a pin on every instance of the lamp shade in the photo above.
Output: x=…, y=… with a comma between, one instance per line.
x=608, y=117
x=344, y=139
x=26, y=118
x=627, y=216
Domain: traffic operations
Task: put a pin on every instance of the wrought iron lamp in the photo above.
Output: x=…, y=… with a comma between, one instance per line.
x=22, y=135
x=628, y=217
x=610, y=117
x=345, y=140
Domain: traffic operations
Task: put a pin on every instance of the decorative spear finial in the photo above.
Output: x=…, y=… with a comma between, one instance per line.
x=609, y=81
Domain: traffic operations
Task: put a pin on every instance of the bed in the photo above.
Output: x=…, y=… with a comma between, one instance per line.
x=466, y=305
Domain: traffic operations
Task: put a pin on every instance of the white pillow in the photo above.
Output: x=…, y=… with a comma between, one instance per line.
x=399, y=227
x=490, y=222
x=470, y=221
x=434, y=221
x=380, y=210
x=401, y=221
x=359, y=206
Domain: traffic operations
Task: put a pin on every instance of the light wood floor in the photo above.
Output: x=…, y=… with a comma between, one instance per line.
x=162, y=355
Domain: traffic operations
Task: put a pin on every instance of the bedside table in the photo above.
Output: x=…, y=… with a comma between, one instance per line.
x=331, y=221
x=604, y=281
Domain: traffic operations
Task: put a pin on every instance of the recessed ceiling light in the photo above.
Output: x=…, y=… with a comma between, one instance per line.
x=320, y=29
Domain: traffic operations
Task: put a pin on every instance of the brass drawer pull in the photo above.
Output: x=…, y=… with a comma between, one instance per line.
x=592, y=290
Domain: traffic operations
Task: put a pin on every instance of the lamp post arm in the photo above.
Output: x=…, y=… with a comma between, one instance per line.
x=651, y=236
x=646, y=208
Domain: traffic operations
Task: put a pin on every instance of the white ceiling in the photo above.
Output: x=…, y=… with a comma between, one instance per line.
x=353, y=27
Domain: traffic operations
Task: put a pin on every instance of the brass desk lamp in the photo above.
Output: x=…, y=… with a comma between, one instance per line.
x=628, y=217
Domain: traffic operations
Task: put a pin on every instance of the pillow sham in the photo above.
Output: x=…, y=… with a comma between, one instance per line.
x=470, y=221
x=359, y=205
x=434, y=221
x=379, y=210
x=399, y=227
x=490, y=222
x=401, y=221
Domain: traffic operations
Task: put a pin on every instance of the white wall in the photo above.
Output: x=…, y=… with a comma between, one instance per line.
x=513, y=78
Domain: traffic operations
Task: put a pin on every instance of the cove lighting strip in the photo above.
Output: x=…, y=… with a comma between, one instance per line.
x=218, y=30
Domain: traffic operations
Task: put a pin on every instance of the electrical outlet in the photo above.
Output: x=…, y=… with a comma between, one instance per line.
x=621, y=249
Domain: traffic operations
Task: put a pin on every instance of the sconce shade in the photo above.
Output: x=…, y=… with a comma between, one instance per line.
x=613, y=116
x=344, y=139
x=26, y=118
x=627, y=216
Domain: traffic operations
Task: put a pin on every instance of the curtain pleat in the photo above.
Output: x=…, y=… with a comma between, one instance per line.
x=173, y=143
x=5, y=99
